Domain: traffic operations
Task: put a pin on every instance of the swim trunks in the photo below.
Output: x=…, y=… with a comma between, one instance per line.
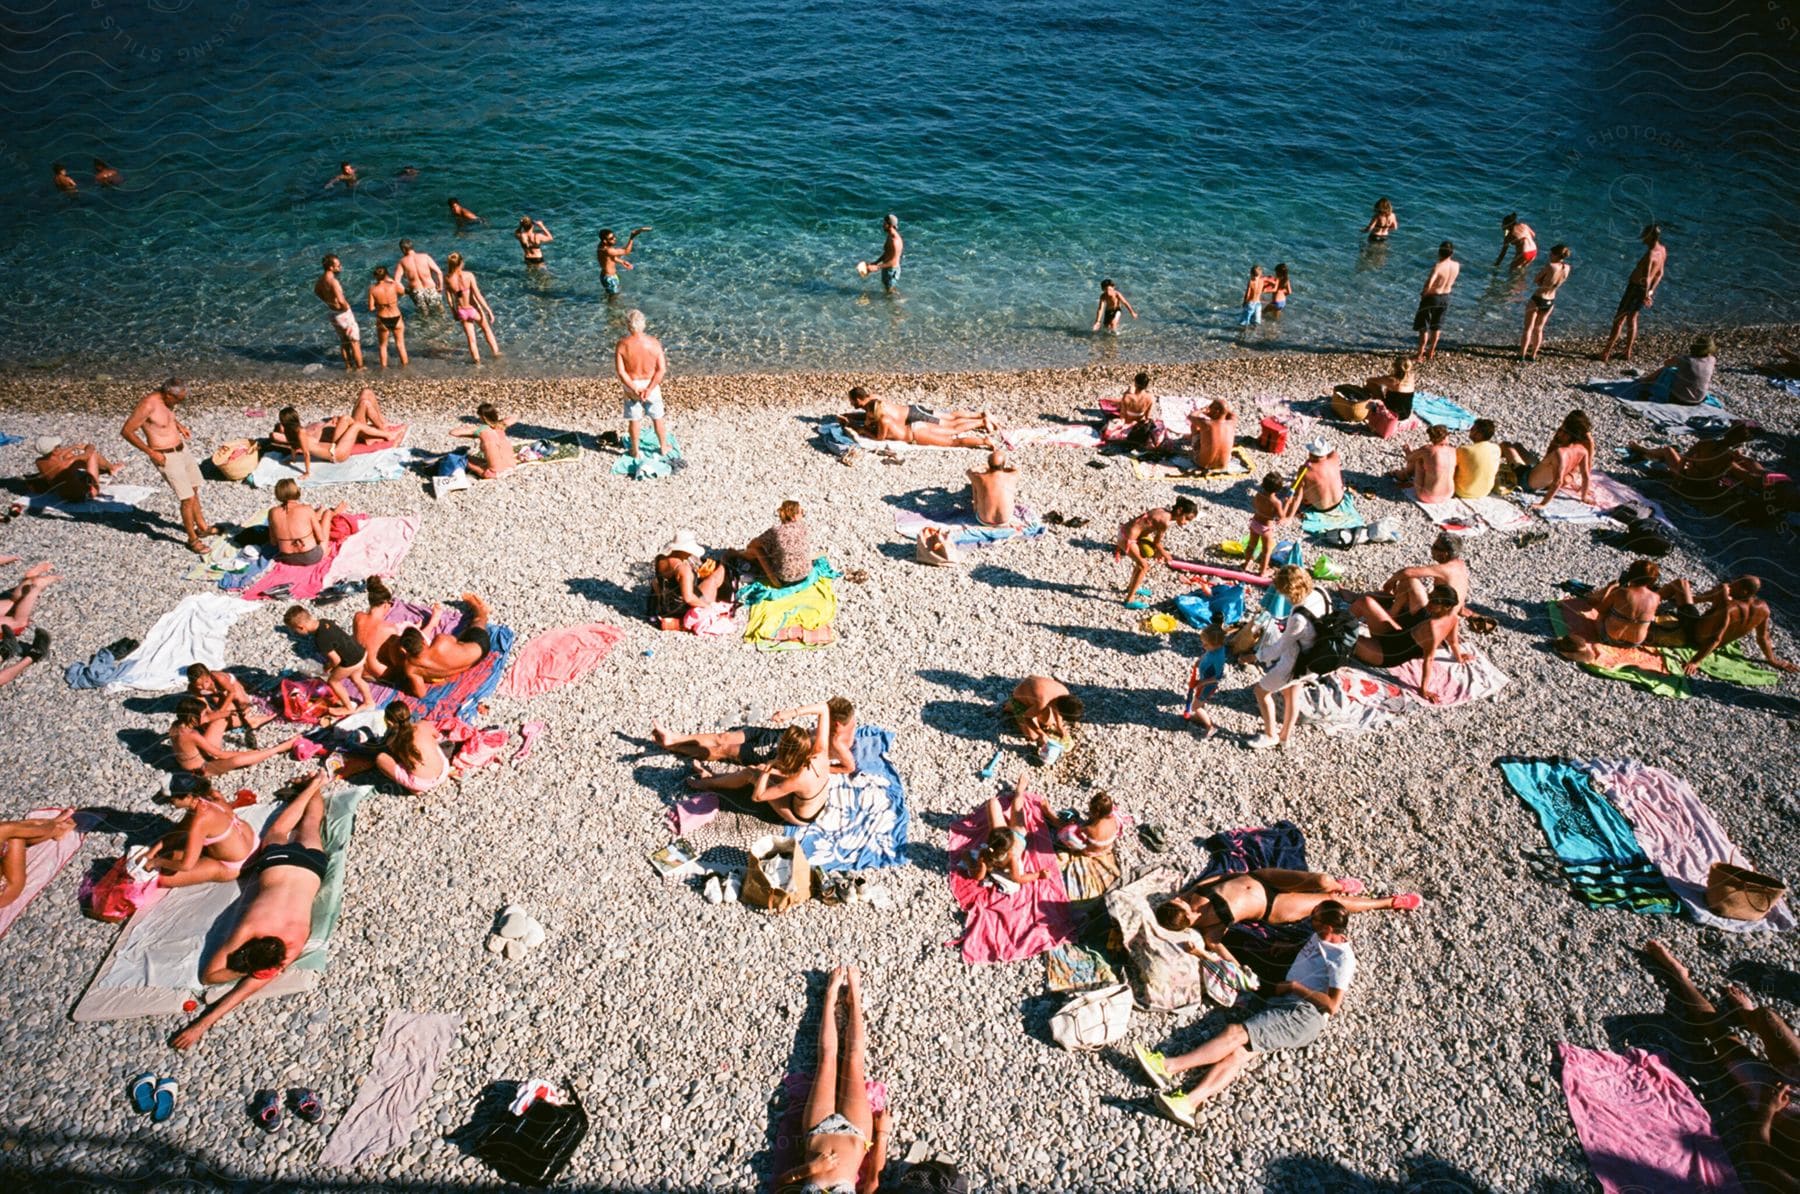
x=650, y=406
x=1635, y=299
x=1527, y=258
x=609, y=283
x=759, y=745
x=345, y=322
x=1430, y=316
x=479, y=636
x=181, y=471
x=921, y=414
x=425, y=298
x=889, y=276
x=1285, y=1022
x=307, y=858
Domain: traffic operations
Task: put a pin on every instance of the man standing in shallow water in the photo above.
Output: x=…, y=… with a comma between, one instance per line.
x=343, y=319
x=154, y=430
x=611, y=257
x=891, y=250
x=1640, y=291
x=1434, y=300
x=423, y=280
x=641, y=364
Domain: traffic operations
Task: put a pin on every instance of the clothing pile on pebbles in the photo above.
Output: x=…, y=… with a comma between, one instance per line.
x=675, y=1018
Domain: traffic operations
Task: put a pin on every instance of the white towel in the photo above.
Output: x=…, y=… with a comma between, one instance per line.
x=113, y=499
x=387, y=464
x=193, y=632
x=412, y=1046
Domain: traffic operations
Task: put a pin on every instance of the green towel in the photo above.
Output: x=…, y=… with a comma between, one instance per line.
x=1728, y=664
x=1674, y=685
x=340, y=823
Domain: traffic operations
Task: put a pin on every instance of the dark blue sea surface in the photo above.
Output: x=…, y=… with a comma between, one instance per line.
x=1028, y=148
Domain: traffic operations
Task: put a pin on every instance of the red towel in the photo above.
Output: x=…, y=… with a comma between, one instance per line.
x=558, y=657
x=1008, y=928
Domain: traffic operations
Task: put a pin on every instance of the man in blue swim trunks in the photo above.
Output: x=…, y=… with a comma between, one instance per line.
x=891, y=249
x=611, y=257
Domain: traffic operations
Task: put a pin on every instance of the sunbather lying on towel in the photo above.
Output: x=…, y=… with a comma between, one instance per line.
x=1269, y=894
x=1569, y=456
x=947, y=420
x=1409, y=590
x=1393, y=640
x=226, y=701
x=795, y=783
x=72, y=472
x=845, y=1144
x=1711, y=464
x=1769, y=1159
x=283, y=878
x=414, y=663
x=1734, y=612
x=1000, y=859
x=331, y=439
x=16, y=837
x=1042, y=709
x=888, y=421
x=199, y=743
x=755, y=746
x=16, y=607
x=211, y=845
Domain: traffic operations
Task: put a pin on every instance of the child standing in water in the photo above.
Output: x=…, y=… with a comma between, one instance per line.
x=1112, y=302
x=1268, y=511
x=1253, y=291
x=1278, y=288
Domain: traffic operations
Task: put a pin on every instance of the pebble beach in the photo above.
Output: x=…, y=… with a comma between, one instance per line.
x=675, y=1019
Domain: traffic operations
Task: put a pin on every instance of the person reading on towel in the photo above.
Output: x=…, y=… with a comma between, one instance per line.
x=994, y=491
x=1394, y=639
x=1767, y=1151
x=1322, y=480
x=754, y=746
x=199, y=744
x=420, y=664
x=795, y=783
x=226, y=701
x=947, y=420
x=886, y=421
x=298, y=532
x=1042, y=710
x=1733, y=611
x=333, y=438
x=70, y=472
x=1212, y=434
x=683, y=582
x=782, y=554
x=1093, y=835
x=498, y=456
x=1570, y=457
x=1295, y=1012
x=18, y=836
x=844, y=1139
x=282, y=880
x=999, y=861
x=1430, y=468
x=211, y=845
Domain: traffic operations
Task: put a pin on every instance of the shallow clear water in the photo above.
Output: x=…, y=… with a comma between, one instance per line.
x=1029, y=149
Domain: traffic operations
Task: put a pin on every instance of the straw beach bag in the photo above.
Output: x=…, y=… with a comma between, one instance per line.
x=1738, y=893
x=236, y=459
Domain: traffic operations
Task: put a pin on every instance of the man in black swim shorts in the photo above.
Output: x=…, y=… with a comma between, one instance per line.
x=422, y=664
x=950, y=420
x=276, y=921
x=1434, y=300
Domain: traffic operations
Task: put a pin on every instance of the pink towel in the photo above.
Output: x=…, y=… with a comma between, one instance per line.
x=1007, y=928
x=377, y=549
x=1680, y=835
x=692, y=813
x=791, y=1132
x=1453, y=683
x=387, y=1104
x=42, y=862
x=1641, y=1126
x=558, y=657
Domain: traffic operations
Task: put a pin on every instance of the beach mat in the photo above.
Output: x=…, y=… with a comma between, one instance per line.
x=154, y=965
x=1601, y=860
x=412, y=1047
x=558, y=657
x=1238, y=465
x=964, y=529
x=1453, y=683
x=193, y=632
x=377, y=548
x=1661, y=670
x=364, y=466
x=1342, y=516
x=1068, y=435
x=797, y=617
x=43, y=862
x=1468, y=517
x=1640, y=1125
x=115, y=498
x=864, y=822
x=555, y=449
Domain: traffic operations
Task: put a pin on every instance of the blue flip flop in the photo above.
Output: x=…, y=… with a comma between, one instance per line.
x=163, y=1101
x=143, y=1093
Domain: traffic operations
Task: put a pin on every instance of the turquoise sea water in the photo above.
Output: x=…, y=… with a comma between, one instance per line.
x=1028, y=148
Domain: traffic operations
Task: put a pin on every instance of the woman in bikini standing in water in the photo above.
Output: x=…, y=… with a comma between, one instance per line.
x=1543, y=301
x=211, y=845
x=468, y=305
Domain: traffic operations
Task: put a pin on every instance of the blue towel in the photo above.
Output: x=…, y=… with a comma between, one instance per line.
x=1265, y=948
x=97, y=672
x=1341, y=516
x=1435, y=408
x=1787, y=384
x=864, y=823
x=835, y=438
x=651, y=462
x=1600, y=856
x=473, y=686
x=231, y=582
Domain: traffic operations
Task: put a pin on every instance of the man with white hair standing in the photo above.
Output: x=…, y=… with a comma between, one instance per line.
x=641, y=364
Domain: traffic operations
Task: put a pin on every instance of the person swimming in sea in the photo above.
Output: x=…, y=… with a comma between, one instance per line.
x=461, y=214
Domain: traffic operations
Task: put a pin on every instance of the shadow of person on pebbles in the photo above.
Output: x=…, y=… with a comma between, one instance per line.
x=150, y=747
x=962, y=719
x=1126, y=642
x=627, y=603
x=1777, y=981
x=1422, y=1172
x=932, y=499
x=1008, y=578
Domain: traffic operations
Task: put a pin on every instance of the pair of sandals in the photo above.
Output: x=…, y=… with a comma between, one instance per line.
x=153, y=1097
x=11, y=648
x=1075, y=522
x=265, y=1107
x=1140, y=599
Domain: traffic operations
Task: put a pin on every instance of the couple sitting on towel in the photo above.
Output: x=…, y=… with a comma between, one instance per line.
x=687, y=588
x=1629, y=614
x=1419, y=610
x=785, y=774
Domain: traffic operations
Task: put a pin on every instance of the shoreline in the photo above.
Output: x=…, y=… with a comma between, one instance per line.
x=1741, y=348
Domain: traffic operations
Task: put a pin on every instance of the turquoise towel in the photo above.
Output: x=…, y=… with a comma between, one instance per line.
x=1600, y=856
x=1435, y=408
x=1341, y=516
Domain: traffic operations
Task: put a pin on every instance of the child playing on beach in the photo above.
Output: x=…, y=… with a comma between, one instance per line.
x=1000, y=860
x=1253, y=292
x=344, y=657
x=1141, y=540
x=497, y=454
x=1204, y=679
x=1269, y=510
x=1092, y=835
